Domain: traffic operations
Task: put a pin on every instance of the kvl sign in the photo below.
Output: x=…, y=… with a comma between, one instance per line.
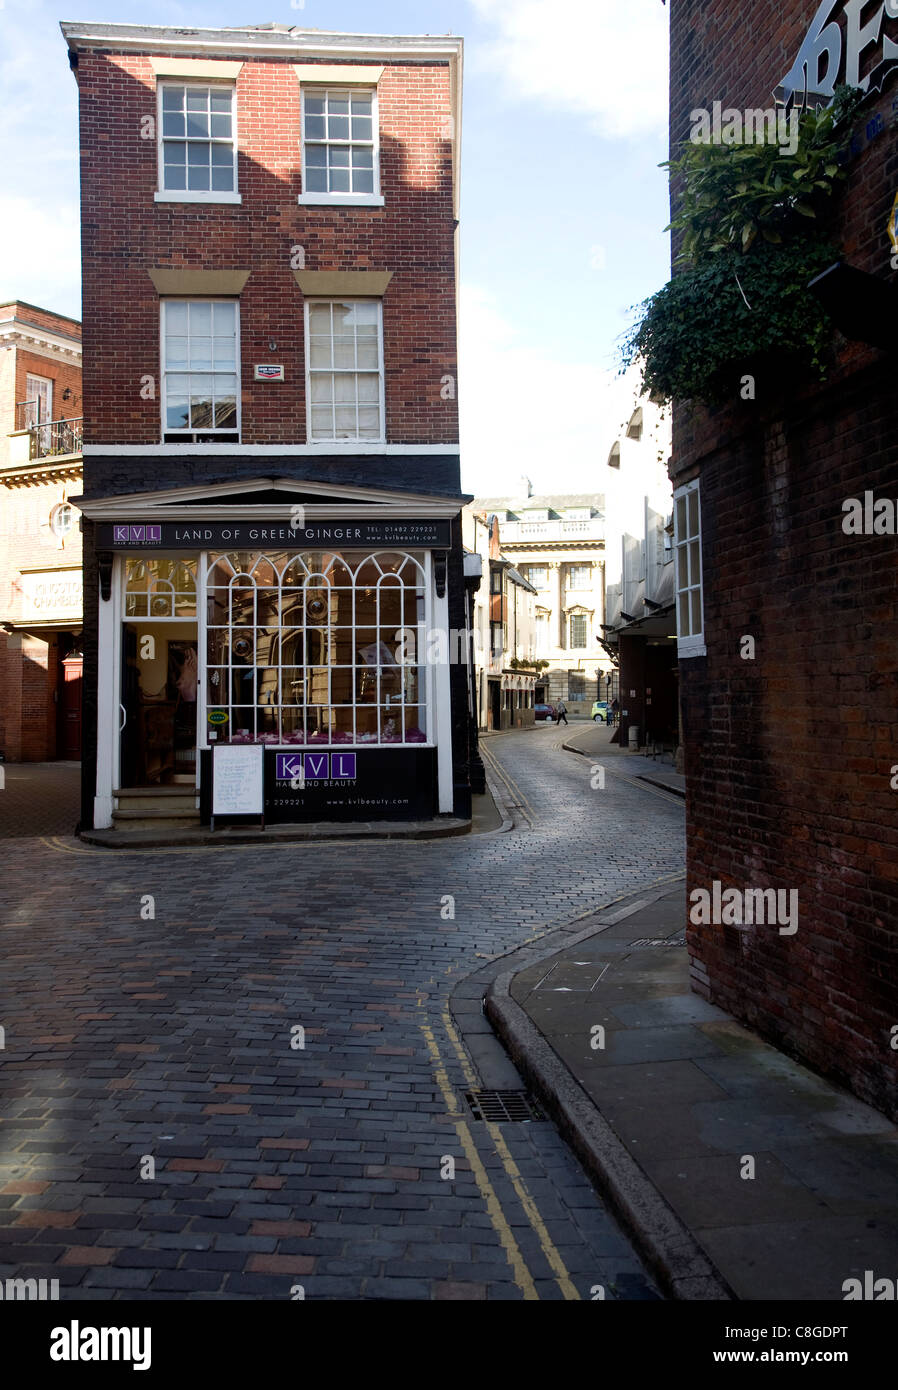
x=827, y=57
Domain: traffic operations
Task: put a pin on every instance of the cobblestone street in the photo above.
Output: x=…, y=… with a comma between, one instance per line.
x=163, y=1136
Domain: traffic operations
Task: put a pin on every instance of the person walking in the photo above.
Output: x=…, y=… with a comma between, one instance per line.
x=561, y=711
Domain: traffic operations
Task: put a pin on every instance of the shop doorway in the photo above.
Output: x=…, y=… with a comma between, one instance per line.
x=158, y=704
x=68, y=739
x=495, y=720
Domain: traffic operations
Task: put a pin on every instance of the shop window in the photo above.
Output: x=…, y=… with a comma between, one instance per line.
x=200, y=358
x=160, y=588
x=308, y=649
x=344, y=353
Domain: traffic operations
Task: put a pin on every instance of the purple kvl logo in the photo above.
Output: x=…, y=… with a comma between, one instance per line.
x=316, y=767
x=138, y=535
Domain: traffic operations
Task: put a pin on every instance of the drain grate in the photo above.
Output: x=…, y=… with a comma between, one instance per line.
x=643, y=941
x=503, y=1107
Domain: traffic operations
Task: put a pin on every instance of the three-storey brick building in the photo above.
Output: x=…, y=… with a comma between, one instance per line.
x=272, y=485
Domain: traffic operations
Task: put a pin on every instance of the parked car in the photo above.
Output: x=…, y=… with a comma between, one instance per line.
x=544, y=712
x=600, y=712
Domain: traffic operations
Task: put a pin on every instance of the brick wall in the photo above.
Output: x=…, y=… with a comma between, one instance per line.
x=126, y=232
x=789, y=756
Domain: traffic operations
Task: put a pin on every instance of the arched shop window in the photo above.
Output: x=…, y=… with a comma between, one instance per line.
x=158, y=588
x=307, y=649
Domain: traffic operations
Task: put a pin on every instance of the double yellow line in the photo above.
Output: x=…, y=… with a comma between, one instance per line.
x=522, y=1276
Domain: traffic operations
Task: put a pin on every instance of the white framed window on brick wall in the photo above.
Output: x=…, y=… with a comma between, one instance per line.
x=340, y=146
x=344, y=370
x=197, y=141
x=200, y=356
x=688, y=556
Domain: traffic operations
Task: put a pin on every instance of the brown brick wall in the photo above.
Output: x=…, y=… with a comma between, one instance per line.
x=126, y=232
x=789, y=756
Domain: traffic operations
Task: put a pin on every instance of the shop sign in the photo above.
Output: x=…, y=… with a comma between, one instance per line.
x=217, y=716
x=267, y=371
x=370, y=784
x=213, y=535
x=311, y=767
x=49, y=594
x=826, y=59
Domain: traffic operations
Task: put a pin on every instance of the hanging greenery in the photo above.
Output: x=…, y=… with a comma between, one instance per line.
x=752, y=228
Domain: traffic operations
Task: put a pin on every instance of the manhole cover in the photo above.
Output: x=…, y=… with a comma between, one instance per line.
x=503, y=1107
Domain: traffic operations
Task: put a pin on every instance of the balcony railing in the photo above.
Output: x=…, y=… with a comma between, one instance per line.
x=55, y=437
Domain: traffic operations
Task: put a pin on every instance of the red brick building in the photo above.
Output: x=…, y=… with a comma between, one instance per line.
x=792, y=742
x=40, y=544
x=272, y=480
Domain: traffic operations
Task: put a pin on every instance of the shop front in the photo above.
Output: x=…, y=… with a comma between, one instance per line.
x=300, y=635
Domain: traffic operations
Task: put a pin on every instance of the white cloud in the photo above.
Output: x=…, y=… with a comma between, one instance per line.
x=523, y=412
x=604, y=58
x=39, y=252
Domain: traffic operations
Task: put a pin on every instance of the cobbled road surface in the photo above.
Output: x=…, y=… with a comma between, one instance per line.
x=258, y=1091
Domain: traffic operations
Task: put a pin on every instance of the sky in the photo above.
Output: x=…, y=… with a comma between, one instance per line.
x=562, y=212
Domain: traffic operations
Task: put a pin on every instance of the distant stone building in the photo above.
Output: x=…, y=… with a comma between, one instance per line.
x=503, y=631
x=557, y=543
x=40, y=543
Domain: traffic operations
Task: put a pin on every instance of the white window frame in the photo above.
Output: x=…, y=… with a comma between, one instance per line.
x=349, y=200
x=579, y=588
x=36, y=400
x=345, y=299
x=693, y=643
x=572, y=618
x=194, y=195
x=163, y=370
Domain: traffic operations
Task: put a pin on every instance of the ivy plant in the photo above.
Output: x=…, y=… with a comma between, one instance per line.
x=750, y=227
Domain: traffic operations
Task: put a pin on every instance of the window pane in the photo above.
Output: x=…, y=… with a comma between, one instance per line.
x=197, y=124
x=223, y=179
x=176, y=414
x=683, y=626
x=339, y=158
x=363, y=181
x=172, y=98
x=314, y=105
x=696, y=598
x=362, y=128
x=322, y=422
x=316, y=156
x=224, y=318
x=315, y=127
x=198, y=179
x=201, y=354
x=173, y=123
x=175, y=317
x=695, y=563
x=201, y=320
x=339, y=181
x=693, y=512
x=175, y=351
x=681, y=519
x=175, y=177
x=220, y=99
x=316, y=180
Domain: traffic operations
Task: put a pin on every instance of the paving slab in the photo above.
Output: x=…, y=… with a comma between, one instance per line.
x=784, y=1184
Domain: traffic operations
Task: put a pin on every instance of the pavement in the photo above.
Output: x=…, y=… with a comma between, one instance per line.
x=231, y=1071
x=594, y=741
x=738, y=1171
